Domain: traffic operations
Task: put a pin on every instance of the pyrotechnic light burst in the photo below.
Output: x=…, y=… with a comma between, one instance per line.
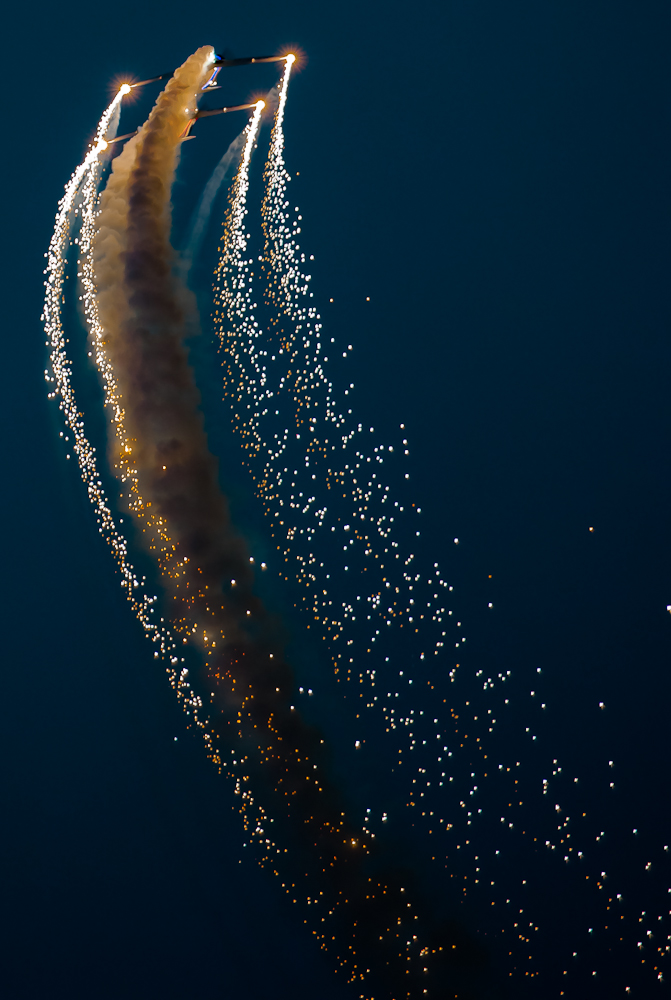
x=347, y=534
x=80, y=200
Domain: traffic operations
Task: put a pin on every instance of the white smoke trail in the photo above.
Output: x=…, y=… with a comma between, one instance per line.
x=203, y=210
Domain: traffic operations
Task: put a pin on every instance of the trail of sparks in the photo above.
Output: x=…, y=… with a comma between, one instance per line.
x=80, y=199
x=312, y=494
x=142, y=342
x=247, y=383
x=345, y=538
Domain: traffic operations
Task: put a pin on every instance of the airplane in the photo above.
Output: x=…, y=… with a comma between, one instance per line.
x=219, y=63
x=119, y=138
x=204, y=113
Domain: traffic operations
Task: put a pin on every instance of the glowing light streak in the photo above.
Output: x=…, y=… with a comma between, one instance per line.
x=141, y=601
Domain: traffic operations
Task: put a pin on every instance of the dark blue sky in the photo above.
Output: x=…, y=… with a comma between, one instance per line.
x=495, y=178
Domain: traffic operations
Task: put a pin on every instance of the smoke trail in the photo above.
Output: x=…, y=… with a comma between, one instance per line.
x=113, y=127
x=203, y=210
x=143, y=329
x=160, y=451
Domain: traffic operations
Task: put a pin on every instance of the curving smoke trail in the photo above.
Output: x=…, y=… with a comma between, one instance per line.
x=372, y=922
x=143, y=309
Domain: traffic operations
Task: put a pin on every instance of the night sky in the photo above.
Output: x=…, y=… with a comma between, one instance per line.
x=485, y=189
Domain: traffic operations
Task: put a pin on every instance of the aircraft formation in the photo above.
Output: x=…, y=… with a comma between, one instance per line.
x=219, y=64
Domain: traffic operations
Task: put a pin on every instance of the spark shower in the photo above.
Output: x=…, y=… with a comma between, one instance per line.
x=381, y=618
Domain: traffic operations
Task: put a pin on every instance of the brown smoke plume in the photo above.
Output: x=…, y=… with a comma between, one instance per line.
x=143, y=309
